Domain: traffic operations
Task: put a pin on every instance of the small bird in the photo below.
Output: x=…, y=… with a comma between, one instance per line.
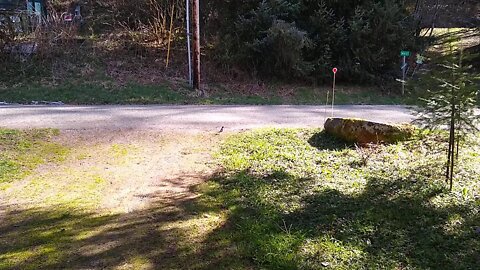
x=221, y=129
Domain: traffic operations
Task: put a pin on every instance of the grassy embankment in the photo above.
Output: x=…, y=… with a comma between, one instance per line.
x=91, y=75
x=168, y=93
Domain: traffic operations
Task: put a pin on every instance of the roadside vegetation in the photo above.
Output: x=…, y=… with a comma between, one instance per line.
x=256, y=52
x=174, y=93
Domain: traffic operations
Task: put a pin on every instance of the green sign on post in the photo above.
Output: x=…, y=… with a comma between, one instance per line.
x=405, y=53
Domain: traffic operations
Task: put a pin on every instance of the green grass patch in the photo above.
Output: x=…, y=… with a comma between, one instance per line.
x=299, y=199
x=312, y=96
x=22, y=151
x=104, y=91
x=93, y=93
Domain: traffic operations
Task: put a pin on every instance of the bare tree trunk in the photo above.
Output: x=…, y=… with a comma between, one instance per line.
x=196, y=46
x=417, y=6
x=434, y=19
x=170, y=35
x=449, y=158
x=452, y=141
x=458, y=147
x=452, y=163
x=417, y=13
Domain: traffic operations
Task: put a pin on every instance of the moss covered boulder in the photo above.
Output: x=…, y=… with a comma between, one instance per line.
x=363, y=132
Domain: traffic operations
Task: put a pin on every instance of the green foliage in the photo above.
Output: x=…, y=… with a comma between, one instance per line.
x=377, y=34
x=263, y=41
x=450, y=100
x=282, y=49
x=304, y=39
x=452, y=84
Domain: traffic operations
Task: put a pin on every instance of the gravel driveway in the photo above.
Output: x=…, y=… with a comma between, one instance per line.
x=194, y=118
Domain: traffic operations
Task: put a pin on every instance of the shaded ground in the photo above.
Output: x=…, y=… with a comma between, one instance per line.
x=122, y=200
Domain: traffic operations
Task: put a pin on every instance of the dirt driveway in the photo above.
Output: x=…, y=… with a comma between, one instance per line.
x=127, y=199
x=130, y=168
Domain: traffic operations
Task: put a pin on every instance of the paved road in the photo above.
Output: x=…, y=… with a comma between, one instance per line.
x=187, y=117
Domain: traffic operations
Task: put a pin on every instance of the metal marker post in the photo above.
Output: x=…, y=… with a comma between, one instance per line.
x=326, y=106
x=333, y=92
x=403, y=72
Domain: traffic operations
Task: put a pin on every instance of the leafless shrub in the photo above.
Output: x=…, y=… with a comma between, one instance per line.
x=365, y=153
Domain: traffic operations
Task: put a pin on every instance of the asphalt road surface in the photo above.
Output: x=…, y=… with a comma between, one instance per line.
x=194, y=118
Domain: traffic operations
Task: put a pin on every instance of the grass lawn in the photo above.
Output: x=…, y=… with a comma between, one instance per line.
x=22, y=151
x=274, y=199
x=299, y=200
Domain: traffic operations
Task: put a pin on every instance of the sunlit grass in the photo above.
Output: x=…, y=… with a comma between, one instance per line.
x=22, y=151
x=299, y=199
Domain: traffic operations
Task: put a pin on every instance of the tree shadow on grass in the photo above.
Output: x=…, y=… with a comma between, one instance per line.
x=392, y=223
x=177, y=235
x=393, y=227
x=324, y=141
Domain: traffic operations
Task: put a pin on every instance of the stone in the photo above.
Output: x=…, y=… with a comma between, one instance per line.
x=364, y=132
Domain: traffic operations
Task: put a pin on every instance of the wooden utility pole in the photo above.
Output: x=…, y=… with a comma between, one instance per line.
x=196, y=46
x=189, y=47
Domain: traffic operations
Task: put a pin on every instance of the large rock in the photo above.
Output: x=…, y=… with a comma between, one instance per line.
x=363, y=132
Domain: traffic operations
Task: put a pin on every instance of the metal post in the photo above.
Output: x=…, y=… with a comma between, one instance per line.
x=326, y=106
x=403, y=72
x=333, y=92
x=190, y=80
x=196, y=45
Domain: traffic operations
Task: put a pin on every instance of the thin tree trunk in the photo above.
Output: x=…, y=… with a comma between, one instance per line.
x=170, y=35
x=458, y=145
x=196, y=46
x=452, y=163
x=418, y=17
x=449, y=158
x=435, y=17
x=452, y=140
x=417, y=6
